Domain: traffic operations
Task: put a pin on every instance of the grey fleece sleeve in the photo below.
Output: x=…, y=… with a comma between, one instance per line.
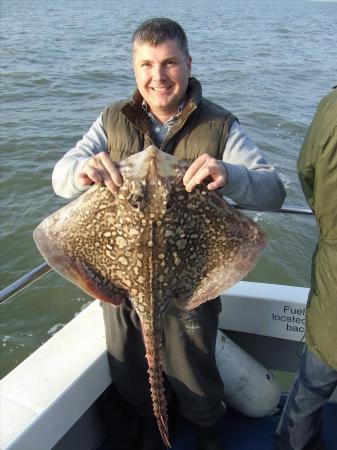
x=252, y=183
x=63, y=177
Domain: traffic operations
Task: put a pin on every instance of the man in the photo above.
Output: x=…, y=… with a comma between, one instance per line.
x=300, y=426
x=168, y=110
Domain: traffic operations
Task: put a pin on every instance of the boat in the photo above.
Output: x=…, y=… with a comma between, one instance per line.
x=54, y=398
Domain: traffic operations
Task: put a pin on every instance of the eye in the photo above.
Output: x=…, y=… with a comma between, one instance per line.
x=136, y=200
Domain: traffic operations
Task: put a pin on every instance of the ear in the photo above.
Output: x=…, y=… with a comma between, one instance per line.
x=189, y=65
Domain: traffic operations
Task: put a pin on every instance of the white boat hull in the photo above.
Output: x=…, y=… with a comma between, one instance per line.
x=49, y=399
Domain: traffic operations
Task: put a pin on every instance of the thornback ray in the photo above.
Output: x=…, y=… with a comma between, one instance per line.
x=154, y=243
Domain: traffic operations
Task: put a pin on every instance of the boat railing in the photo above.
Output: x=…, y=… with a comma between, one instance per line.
x=13, y=289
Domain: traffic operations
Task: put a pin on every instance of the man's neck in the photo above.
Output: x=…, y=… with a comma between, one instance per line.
x=161, y=117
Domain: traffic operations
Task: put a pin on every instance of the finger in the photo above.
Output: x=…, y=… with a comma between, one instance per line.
x=112, y=170
x=217, y=184
x=100, y=173
x=89, y=173
x=216, y=172
x=198, y=178
x=109, y=183
x=219, y=177
x=95, y=170
x=194, y=167
x=84, y=180
x=93, y=173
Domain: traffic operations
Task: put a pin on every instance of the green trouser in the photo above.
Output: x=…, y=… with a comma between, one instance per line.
x=188, y=357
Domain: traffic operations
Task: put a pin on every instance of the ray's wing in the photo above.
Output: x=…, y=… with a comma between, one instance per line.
x=210, y=246
x=78, y=241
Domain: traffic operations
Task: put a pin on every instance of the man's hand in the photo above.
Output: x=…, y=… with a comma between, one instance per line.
x=100, y=169
x=205, y=167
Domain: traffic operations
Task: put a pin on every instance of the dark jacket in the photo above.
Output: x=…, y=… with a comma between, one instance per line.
x=203, y=127
x=317, y=170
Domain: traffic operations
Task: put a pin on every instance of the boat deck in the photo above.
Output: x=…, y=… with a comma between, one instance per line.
x=244, y=433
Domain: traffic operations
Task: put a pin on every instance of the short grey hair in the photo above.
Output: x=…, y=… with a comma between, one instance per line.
x=159, y=30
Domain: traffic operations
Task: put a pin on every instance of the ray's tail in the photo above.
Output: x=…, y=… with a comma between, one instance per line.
x=152, y=342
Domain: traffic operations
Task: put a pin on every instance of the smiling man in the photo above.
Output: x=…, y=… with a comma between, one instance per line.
x=162, y=72
x=169, y=111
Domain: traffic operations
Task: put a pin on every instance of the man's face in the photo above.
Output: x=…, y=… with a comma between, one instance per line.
x=162, y=73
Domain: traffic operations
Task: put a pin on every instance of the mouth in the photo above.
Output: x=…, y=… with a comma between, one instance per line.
x=161, y=89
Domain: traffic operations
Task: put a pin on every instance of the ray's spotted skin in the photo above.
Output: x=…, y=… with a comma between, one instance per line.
x=154, y=243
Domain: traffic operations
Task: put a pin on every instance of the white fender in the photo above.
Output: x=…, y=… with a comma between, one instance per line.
x=249, y=387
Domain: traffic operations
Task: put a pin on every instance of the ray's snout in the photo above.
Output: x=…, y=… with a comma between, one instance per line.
x=153, y=166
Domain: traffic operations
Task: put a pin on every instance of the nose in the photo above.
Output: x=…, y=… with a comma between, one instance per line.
x=158, y=72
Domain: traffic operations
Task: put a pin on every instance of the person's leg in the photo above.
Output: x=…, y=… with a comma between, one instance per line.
x=126, y=353
x=301, y=420
x=190, y=365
